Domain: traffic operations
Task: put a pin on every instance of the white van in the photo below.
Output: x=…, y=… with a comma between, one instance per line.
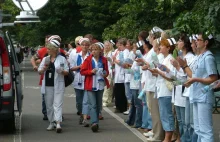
x=10, y=83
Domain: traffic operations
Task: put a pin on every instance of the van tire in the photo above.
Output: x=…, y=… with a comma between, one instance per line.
x=10, y=124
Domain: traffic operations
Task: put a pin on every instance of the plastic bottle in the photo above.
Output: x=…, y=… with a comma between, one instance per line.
x=209, y=87
x=141, y=94
x=139, y=54
x=121, y=57
x=180, y=54
x=137, y=74
x=154, y=57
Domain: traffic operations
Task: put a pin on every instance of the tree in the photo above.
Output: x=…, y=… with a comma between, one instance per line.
x=99, y=14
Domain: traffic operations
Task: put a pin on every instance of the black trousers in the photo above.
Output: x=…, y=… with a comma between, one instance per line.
x=120, y=98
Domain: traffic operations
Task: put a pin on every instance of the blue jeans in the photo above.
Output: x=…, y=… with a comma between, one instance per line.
x=190, y=135
x=166, y=114
x=203, y=125
x=135, y=114
x=146, y=117
x=79, y=99
x=44, y=109
x=85, y=108
x=180, y=114
x=95, y=105
x=128, y=92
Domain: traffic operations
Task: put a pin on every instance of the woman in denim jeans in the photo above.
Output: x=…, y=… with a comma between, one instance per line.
x=204, y=74
x=95, y=70
x=164, y=92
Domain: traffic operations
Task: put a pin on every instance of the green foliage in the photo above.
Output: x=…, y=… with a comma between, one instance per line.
x=99, y=14
x=116, y=18
x=138, y=15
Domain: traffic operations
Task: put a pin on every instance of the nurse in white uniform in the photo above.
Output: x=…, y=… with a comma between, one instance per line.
x=54, y=67
x=204, y=74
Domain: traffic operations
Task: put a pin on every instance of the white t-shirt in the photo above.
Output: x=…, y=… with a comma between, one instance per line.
x=150, y=80
x=131, y=56
x=109, y=55
x=78, y=82
x=135, y=83
x=190, y=58
x=98, y=80
x=119, y=71
x=162, y=90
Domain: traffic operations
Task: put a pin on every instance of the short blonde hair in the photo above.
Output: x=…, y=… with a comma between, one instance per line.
x=77, y=39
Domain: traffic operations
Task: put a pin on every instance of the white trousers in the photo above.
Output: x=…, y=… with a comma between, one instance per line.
x=54, y=103
x=203, y=125
x=107, y=95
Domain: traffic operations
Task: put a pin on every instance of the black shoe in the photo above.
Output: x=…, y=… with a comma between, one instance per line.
x=78, y=113
x=45, y=117
x=95, y=127
x=81, y=120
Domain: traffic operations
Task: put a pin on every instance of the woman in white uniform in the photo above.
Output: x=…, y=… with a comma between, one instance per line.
x=78, y=83
x=204, y=74
x=107, y=95
x=178, y=96
x=54, y=67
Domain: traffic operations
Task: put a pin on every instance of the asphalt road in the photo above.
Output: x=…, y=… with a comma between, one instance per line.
x=31, y=127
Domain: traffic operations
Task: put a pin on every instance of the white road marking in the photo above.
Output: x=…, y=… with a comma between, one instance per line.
x=32, y=87
x=133, y=130
x=18, y=122
x=70, y=95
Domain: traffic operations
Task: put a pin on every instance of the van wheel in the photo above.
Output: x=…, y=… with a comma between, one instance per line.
x=10, y=124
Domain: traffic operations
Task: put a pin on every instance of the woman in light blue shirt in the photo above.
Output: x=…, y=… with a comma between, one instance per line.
x=204, y=74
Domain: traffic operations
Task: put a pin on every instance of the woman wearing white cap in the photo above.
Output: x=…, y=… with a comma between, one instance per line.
x=78, y=83
x=54, y=67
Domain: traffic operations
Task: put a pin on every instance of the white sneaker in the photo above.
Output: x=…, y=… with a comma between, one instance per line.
x=148, y=134
x=50, y=127
x=151, y=139
x=58, y=129
x=126, y=112
x=104, y=104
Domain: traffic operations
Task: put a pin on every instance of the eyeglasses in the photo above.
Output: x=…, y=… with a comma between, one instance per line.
x=200, y=40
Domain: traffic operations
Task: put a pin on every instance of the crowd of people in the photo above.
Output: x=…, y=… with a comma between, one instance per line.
x=157, y=80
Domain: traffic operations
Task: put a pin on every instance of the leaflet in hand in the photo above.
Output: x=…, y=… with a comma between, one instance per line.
x=129, y=61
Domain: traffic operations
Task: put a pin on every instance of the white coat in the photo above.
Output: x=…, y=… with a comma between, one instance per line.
x=59, y=84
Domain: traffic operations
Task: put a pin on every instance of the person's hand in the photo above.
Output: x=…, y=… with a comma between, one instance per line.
x=139, y=60
x=94, y=71
x=175, y=63
x=45, y=68
x=189, y=82
x=125, y=65
x=154, y=71
x=217, y=85
x=35, y=68
x=38, y=61
x=79, y=66
x=182, y=62
x=113, y=58
x=59, y=70
x=145, y=67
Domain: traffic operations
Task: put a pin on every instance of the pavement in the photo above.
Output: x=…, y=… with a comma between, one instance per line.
x=31, y=127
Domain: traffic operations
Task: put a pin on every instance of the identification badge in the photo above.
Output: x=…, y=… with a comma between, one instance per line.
x=50, y=74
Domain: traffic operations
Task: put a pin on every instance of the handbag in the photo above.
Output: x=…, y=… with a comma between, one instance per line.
x=169, y=85
x=69, y=78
